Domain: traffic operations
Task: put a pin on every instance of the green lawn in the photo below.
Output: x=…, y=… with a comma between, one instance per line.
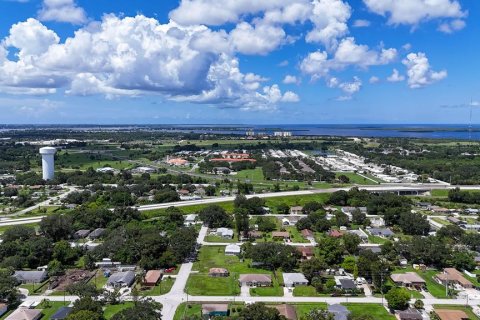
x=303, y=308
x=254, y=175
x=439, y=193
x=99, y=280
x=53, y=307
x=435, y=288
x=357, y=179
x=375, y=310
x=163, y=287
x=468, y=310
x=214, y=238
x=110, y=310
x=187, y=310
x=305, y=291
x=35, y=288
x=295, y=235
x=204, y=285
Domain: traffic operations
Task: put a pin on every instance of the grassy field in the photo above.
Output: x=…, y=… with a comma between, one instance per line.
x=435, y=288
x=467, y=310
x=204, y=285
x=99, y=280
x=439, y=193
x=357, y=179
x=111, y=310
x=305, y=291
x=303, y=308
x=272, y=203
x=375, y=310
x=274, y=291
x=185, y=309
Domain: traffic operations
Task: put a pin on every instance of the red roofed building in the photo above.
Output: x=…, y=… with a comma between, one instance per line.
x=335, y=233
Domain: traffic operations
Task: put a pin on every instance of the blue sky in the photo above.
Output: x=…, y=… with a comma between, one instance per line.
x=239, y=61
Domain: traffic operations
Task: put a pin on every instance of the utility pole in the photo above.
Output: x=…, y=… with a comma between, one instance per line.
x=446, y=283
x=381, y=285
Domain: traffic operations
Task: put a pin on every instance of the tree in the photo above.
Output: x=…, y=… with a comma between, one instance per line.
x=144, y=309
x=358, y=217
x=183, y=243
x=331, y=249
x=174, y=217
x=283, y=208
x=318, y=314
x=88, y=304
x=463, y=260
x=55, y=268
x=242, y=221
x=259, y=311
x=397, y=298
x=341, y=219
x=418, y=304
x=343, y=178
x=312, y=268
x=64, y=253
x=351, y=242
x=19, y=232
x=56, y=226
x=8, y=289
x=83, y=289
x=349, y=264
x=85, y=315
x=215, y=216
x=265, y=224
x=166, y=195
x=273, y=255
x=312, y=206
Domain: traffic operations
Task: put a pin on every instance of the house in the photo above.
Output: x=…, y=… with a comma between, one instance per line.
x=232, y=250
x=81, y=234
x=25, y=314
x=376, y=221
x=345, y=283
x=374, y=247
x=296, y=210
x=409, y=280
x=177, y=162
x=307, y=234
x=409, y=314
x=183, y=192
x=152, y=277
x=3, y=308
x=454, y=277
x=214, y=310
x=61, y=313
x=221, y=170
x=381, y=232
x=255, y=234
x=339, y=311
x=121, y=279
x=280, y=235
x=294, y=279
x=424, y=205
x=97, y=233
x=31, y=276
x=190, y=219
x=218, y=272
x=306, y=252
x=335, y=233
x=446, y=314
x=286, y=310
x=255, y=280
x=360, y=233
x=454, y=220
x=225, y=233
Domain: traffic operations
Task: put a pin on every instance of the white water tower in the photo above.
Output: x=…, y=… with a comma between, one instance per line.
x=48, y=163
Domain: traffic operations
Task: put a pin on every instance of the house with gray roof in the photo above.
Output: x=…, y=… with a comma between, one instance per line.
x=339, y=312
x=381, y=232
x=294, y=279
x=97, y=233
x=31, y=276
x=81, y=234
x=61, y=313
x=121, y=279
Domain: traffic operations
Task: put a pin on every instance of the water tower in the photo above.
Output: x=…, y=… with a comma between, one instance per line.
x=48, y=162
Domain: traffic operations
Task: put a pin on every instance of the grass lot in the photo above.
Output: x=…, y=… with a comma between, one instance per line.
x=441, y=221
x=356, y=179
x=305, y=291
x=48, y=312
x=375, y=310
x=272, y=203
x=187, y=310
x=33, y=225
x=110, y=310
x=377, y=240
x=439, y=193
x=254, y=175
x=275, y=291
x=468, y=310
x=215, y=238
x=35, y=288
x=304, y=308
x=435, y=288
x=163, y=287
x=99, y=280
x=204, y=285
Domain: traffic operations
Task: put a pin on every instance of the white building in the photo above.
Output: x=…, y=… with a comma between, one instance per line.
x=48, y=162
x=232, y=250
x=294, y=279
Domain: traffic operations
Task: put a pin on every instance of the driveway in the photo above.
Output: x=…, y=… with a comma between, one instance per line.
x=245, y=291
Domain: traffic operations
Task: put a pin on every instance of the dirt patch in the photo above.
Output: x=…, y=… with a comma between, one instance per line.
x=60, y=283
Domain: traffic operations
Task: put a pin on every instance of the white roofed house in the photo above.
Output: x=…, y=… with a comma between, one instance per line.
x=232, y=250
x=190, y=219
x=226, y=233
x=294, y=279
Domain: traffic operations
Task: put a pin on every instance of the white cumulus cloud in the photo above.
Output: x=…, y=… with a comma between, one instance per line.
x=396, y=76
x=289, y=79
x=133, y=56
x=419, y=71
x=62, y=11
x=413, y=12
